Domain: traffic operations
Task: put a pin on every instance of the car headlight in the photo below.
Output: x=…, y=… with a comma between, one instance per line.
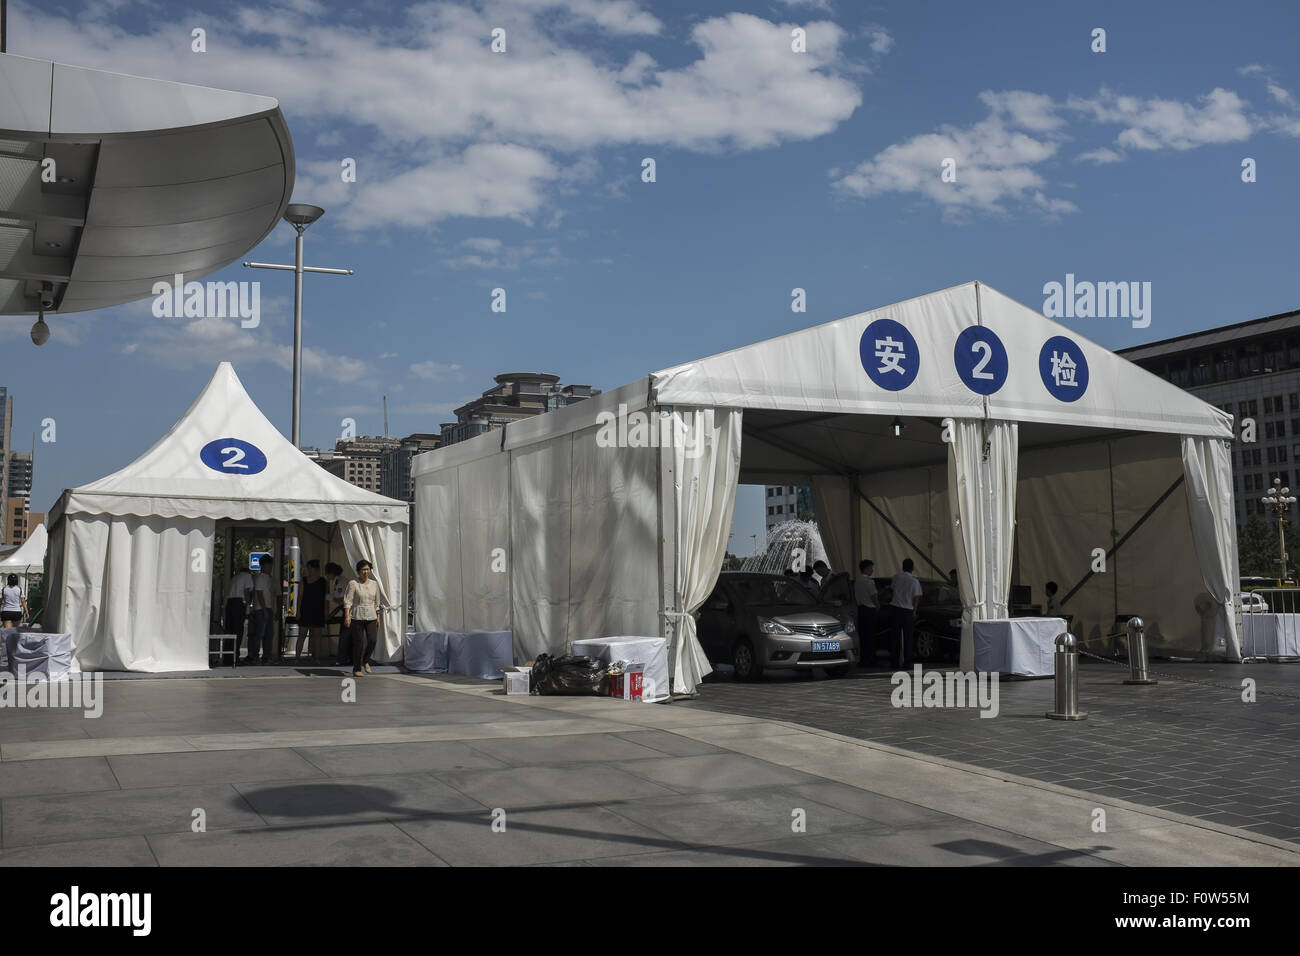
x=769, y=626
x=955, y=622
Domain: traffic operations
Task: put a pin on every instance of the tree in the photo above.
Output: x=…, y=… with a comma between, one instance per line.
x=1257, y=549
x=731, y=562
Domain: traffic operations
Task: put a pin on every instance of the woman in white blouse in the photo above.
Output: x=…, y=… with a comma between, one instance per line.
x=361, y=616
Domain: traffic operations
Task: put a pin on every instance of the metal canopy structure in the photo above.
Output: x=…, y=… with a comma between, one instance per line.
x=149, y=179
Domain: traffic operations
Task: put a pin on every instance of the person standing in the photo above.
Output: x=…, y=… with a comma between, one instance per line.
x=1053, y=602
x=864, y=592
x=311, y=616
x=903, y=605
x=334, y=608
x=13, y=606
x=361, y=616
x=237, y=610
x=261, y=598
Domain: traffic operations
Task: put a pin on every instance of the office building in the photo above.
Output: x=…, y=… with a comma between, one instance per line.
x=516, y=396
x=787, y=503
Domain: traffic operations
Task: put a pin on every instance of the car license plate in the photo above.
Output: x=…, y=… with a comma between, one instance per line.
x=823, y=646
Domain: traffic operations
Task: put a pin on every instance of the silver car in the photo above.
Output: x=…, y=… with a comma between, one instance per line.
x=758, y=622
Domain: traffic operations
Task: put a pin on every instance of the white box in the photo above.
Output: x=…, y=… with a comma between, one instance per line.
x=517, y=679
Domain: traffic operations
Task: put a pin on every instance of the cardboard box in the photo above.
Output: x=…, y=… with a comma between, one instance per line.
x=517, y=679
x=630, y=684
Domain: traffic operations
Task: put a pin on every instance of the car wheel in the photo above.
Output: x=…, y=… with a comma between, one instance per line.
x=927, y=646
x=839, y=671
x=745, y=661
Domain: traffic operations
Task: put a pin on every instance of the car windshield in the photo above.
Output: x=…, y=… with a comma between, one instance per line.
x=772, y=591
x=939, y=594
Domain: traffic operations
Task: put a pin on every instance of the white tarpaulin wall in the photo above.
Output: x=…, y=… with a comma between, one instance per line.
x=131, y=555
x=1043, y=454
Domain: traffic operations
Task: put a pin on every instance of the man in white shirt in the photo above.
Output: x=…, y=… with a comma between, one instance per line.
x=864, y=592
x=237, y=607
x=261, y=599
x=903, y=605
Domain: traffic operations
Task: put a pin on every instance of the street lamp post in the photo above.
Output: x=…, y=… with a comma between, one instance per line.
x=1279, y=499
x=300, y=216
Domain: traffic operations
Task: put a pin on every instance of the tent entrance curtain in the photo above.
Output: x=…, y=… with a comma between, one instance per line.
x=1207, y=465
x=982, y=466
x=705, y=477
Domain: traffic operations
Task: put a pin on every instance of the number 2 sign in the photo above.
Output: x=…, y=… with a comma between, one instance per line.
x=233, y=456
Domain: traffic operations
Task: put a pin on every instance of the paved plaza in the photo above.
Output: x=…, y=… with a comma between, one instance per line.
x=447, y=771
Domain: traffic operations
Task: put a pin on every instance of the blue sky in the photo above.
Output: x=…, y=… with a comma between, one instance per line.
x=774, y=170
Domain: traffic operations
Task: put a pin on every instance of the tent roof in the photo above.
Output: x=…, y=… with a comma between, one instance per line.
x=31, y=555
x=224, y=459
x=806, y=394
x=825, y=369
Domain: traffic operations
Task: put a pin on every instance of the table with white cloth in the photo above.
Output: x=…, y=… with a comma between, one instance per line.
x=1270, y=635
x=1024, y=646
x=650, y=651
x=426, y=652
x=480, y=653
x=41, y=654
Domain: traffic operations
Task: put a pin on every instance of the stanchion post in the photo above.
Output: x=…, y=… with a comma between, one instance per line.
x=1137, y=653
x=1067, y=679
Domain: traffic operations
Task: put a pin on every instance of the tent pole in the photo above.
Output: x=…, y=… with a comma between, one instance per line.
x=1128, y=534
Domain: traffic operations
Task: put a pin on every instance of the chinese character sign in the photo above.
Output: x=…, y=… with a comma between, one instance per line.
x=890, y=355
x=1063, y=369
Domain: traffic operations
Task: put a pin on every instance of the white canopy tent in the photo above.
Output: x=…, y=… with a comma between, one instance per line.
x=29, y=559
x=613, y=514
x=131, y=555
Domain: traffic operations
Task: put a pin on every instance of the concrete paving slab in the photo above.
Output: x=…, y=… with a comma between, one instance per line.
x=713, y=772
x=394, y=797
x=92, y=747
x=62, y=818
x=412, y=757
x=563, y=749
x=75, y=775
x=536, y=836
x=115, y=851
x=669, y=743
x=525, y=787
x=227, y=766
x=353, y=844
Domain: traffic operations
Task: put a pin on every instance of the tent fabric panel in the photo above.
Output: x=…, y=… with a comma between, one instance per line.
x=1119, y=394
x=615, y=531
x=80, y=502
x=1207, y=463
x=540, y=546
x=439, y=603
x=916, y=500
x=821, y=369
x=704, y=492
x=384, y=546
x=133, y=599
x=982, y=463
x=484, y=517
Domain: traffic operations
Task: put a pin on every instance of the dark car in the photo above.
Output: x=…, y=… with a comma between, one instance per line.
x=938, y=620
x=758, y=622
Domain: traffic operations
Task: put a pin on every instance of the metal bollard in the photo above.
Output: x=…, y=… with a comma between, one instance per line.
x=1067, y=679
x=1137, y=653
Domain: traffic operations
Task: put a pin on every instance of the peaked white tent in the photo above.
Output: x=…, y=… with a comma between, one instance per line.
x=29, y=559
x=131, y=555
x=1028, y=453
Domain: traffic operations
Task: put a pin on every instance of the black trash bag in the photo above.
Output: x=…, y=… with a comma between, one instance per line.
x=569, y=675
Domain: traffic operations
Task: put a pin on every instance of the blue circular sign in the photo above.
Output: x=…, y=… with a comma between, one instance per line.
x=981, y=360
x=1063, y=369
x=233, y=456
x=889, y=355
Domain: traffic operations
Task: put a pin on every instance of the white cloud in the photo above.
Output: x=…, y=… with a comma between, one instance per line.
x=881, y=41
x=482, y=245
x=434, y=371
x=454, y=129
x=1100, y=156
x=995, y=160
x=1154, y=123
